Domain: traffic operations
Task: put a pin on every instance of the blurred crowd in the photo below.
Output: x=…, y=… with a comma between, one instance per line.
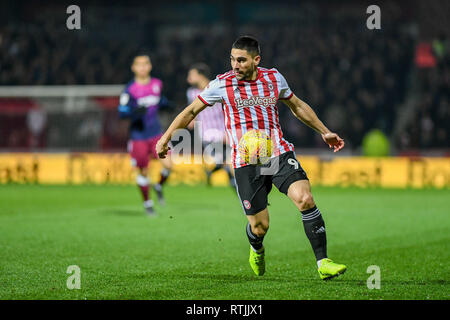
x=44, y=53
x=429, y=127
x=353, y=77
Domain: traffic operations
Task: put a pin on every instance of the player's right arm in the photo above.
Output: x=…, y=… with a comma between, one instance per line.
x=180, y=122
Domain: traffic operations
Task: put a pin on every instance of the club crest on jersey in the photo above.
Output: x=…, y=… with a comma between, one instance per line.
x=255, y=101
x=156, y=89
x=270, y=86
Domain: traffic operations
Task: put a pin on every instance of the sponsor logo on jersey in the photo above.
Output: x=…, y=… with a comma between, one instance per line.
x=148, y=101
x=255, y=101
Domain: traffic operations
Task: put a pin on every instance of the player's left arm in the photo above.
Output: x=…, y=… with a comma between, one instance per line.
x=306, y=114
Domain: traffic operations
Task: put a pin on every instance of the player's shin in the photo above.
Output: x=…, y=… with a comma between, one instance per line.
x=315, y=231
x=255, y=241
x=165, y=172
x=144, y=185
x=164, y=176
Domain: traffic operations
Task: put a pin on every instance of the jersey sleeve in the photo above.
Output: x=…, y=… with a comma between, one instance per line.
x=285, y=91
x=212, y=94
x=128, y=106
x=124, y=104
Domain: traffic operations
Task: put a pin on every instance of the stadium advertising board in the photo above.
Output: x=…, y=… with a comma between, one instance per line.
x=115, y=168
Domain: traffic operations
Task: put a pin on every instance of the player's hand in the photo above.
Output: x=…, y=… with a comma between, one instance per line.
x=333, y=141
x=141, y=109
x=162, y=147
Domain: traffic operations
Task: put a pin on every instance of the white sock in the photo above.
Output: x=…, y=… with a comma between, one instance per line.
x=319, y=262
x=142, y=180
x=148, y=203
x=258, y=251
x=165, y=172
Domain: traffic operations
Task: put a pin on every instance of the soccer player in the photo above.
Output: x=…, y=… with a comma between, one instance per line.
x=211, y=120
x=140, y=102
x=249, y=95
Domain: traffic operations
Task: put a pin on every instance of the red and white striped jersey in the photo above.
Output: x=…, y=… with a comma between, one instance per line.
x=248, y=105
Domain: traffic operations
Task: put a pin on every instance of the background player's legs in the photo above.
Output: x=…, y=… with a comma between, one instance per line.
x=210, y=172
x=256, y=229
x=139, y=155
x=144, y=185
x=165, y=172
x=221, y=163
x=300, y=194
x=218, y=167
x=230, y=175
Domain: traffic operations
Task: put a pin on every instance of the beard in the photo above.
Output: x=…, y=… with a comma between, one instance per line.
x=247, y=75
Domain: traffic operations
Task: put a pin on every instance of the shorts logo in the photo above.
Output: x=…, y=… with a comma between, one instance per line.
x=247, y=204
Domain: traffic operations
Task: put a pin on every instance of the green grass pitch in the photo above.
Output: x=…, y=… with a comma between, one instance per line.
x=197, y=248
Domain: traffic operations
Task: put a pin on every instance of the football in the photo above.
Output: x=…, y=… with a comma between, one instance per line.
x=255, y=147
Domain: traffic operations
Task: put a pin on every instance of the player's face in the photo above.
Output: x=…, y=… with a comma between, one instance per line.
x=141, y=66
x=243, y=63
x=193, y=77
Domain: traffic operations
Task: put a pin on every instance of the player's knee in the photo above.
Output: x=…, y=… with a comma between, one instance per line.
x=260, y=228
x=168, y=165
x=143, y=171
x=303, y=200
x=307, y=201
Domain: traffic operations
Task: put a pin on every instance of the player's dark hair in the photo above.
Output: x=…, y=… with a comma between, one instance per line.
x=248, y=43
x=202, y=69
x=141, y=53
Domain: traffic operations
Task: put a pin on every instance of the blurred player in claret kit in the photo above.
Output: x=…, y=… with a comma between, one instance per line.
x=140, y=102
x=211, y=120
x=249, y=95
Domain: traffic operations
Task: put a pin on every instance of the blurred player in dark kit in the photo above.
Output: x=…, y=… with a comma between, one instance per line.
x=140, y=101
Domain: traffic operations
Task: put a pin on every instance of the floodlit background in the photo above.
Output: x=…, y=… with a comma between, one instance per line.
x=394, y=79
